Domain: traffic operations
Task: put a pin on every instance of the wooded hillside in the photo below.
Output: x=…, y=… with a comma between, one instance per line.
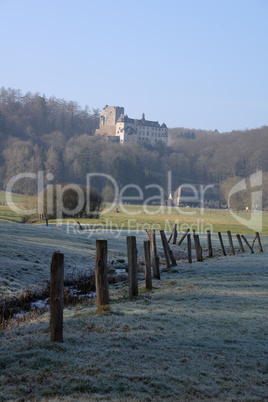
x=57, y=136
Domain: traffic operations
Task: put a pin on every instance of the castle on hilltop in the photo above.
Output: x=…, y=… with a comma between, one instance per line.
x=117, y=126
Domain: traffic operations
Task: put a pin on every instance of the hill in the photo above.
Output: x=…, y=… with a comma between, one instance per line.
x=57, y=136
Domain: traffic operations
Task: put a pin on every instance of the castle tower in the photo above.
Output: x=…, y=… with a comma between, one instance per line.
x=110, y=115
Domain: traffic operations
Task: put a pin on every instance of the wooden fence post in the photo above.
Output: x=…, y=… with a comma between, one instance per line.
x=255, y=238
x=222, y=245
x=56, y=297
x=247, y=243
x=210, y=252
x=171, y=256
x=240, y=243
x=154, y=256
x=80, y=227
x=183, y=237
x=132, y=266
x=147, y=263
x=163, y=238
x=259, y=242
x=189, y=248
x=101, y=274
x=231, y=242
x=167, y=249
x=175, y=234
x=171, y=234
x=198, y=248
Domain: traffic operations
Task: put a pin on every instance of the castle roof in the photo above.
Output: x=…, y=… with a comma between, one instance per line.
x=123, y=118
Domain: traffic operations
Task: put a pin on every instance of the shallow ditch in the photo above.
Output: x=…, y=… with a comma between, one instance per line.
x=76, y=291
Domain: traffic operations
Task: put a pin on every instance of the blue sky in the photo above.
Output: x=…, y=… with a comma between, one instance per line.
x=191, y=63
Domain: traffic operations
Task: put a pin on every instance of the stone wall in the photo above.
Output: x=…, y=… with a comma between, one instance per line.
x=110, y=115
x=106, y=130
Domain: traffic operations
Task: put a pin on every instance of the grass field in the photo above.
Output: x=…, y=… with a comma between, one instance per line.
x=132, y=217
x=213, y=219
x=26, y=251
x=21, y=201
x=200, y=334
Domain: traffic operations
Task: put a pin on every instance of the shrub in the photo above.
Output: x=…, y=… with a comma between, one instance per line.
x=71, y=201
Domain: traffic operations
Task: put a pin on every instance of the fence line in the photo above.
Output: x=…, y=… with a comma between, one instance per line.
x=150, y=259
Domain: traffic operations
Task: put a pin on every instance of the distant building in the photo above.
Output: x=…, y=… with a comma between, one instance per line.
x=114, y=123
x=193, y=195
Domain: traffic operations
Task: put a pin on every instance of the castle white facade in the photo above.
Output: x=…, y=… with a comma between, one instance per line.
x=117, y=126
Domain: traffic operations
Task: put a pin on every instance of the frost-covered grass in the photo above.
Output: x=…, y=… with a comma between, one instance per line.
x=26, y=251
x=200, y=334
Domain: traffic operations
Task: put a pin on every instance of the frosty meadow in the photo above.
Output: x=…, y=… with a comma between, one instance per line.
x=199, y=333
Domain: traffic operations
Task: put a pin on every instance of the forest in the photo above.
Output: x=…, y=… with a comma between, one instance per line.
x=57, y=136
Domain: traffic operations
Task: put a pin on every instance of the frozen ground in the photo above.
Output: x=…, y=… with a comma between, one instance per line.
x=26, y=251
x=200, y=334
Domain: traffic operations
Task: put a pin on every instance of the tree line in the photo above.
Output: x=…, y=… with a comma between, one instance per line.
x=57, y=136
